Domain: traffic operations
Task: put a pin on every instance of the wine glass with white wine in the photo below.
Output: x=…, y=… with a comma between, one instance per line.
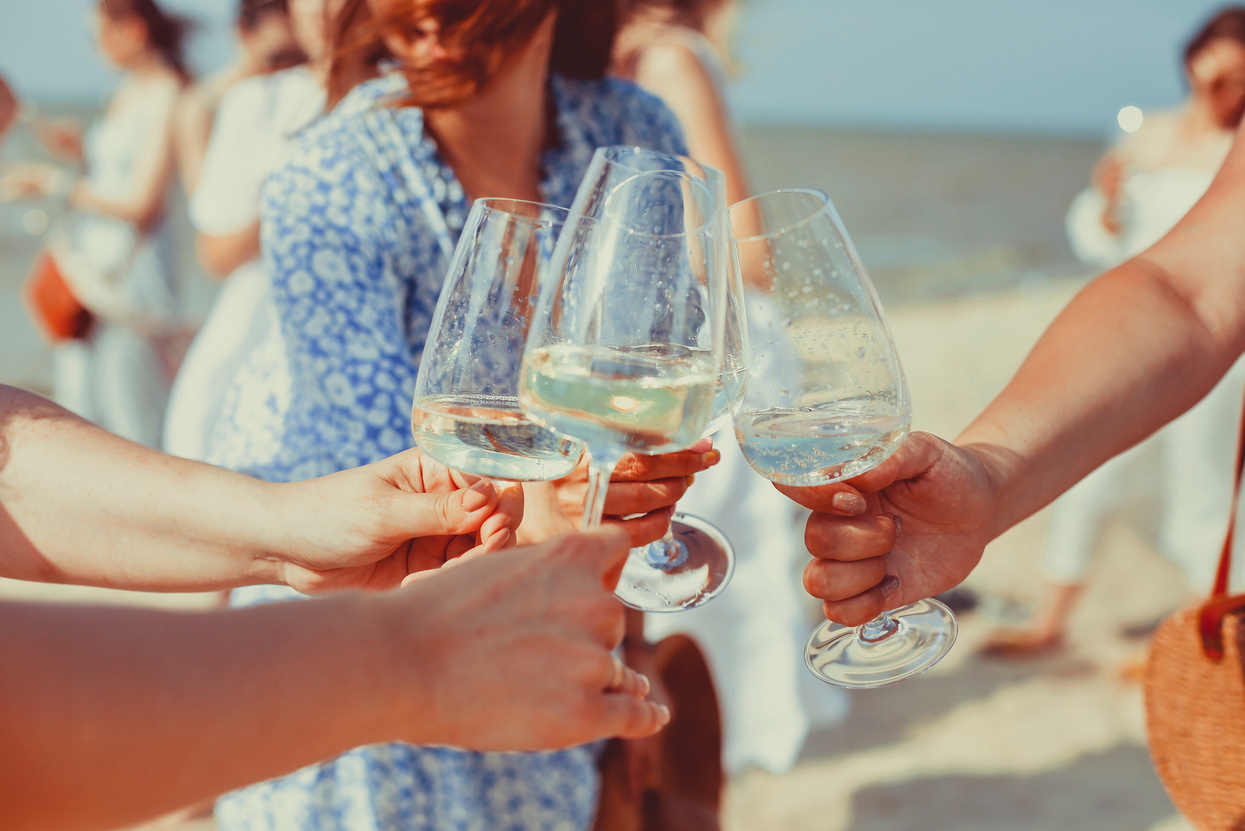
x=466, y=412
x=824, y=399
x=626, y=351
x=691, y=545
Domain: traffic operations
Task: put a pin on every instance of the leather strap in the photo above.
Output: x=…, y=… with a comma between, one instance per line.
x=1210, y=621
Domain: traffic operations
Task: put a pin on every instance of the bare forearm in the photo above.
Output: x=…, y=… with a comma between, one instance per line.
x=109, y=716
x=81, y=505
x=1130, y=353
x=222, y=254
x=140, y=212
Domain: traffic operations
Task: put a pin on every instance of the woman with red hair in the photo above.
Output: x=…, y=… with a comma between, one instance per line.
x=438, y=102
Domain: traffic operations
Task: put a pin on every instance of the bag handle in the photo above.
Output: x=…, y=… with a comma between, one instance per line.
x=1210, y=620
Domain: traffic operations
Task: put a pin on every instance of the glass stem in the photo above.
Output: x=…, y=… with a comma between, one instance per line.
x=664, y=551
x=878, y=629
x=600, y=469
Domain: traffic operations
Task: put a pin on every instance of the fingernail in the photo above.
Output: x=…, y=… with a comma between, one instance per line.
x=889, y=585
x=499, y=539
x=645, y=686
x=476, y=496
x=701, y=446
x=848, y=503
x=663, y=715
x=898, y=524
x=712, y=457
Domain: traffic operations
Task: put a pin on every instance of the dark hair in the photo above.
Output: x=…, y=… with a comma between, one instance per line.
x=166, y=33
x=482, y=33
x=690, y=13
x=1228, y=23
x=251, y=12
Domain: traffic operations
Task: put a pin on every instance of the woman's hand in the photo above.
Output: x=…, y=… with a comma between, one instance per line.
x=32, y=180
x=1108, y=179
x=512, y=651
x=372, y=527
x=640, y=499
x=61, y=138
x=912, y=527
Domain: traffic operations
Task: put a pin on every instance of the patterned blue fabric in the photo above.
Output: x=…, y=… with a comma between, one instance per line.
x=358, y=230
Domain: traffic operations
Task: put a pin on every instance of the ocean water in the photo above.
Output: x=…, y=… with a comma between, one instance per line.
x=932, y=215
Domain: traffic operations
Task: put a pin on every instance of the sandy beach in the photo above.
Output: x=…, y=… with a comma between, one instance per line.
x=964, y=238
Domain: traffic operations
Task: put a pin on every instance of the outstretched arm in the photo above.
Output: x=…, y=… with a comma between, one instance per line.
x=81, y=505
x=110, y=716
x=1135, y=349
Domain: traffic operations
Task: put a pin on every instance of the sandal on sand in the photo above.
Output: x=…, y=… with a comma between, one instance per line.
x=1020, y=643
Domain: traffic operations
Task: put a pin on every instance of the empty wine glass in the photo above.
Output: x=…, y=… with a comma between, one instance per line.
x=626, y=350
x=824, y=399
x=690, y=544
x=466, y=412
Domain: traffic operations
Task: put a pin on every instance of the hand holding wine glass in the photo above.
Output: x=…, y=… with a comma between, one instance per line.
x=824, y=399
x=928, y=513
x=465, y=412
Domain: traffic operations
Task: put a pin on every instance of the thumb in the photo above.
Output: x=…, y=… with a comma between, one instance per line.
x=461, y=511
x=610, y=547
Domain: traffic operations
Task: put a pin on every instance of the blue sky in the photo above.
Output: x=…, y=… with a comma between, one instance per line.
x=1061, y=66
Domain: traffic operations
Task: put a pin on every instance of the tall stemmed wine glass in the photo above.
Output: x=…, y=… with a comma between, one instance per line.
x=626, y=348
x=466, y=408
x=824, y=399
x=691, y=544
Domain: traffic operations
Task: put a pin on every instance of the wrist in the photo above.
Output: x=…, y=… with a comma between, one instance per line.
x=1001, y=473
x=275, y=537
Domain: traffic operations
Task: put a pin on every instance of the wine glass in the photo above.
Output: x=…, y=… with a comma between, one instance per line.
x=690, y=544
x=824, y=399
x=626, y=349
x=465, y=413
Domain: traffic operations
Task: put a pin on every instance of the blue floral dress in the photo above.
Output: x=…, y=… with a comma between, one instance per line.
x=358, y=229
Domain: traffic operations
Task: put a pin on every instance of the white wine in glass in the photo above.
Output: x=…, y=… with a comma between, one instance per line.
x=825, y=399
x=466, y=410
x=626, y=352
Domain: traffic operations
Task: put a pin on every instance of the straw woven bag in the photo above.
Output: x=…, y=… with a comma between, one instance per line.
x=1195, y=701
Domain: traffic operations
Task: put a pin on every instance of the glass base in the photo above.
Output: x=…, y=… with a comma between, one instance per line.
x=874, y=655
x=658, y=579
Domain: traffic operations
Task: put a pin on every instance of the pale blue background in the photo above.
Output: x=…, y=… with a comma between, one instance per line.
x=1062, y=66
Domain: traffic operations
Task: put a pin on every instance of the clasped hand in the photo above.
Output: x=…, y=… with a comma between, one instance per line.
x=912, y=527
x=376, y=526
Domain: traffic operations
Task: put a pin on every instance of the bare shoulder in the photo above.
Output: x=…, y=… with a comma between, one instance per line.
x=668, y=60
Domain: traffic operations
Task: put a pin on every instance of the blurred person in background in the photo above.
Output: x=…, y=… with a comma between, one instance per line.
x=118, y=375
x=266, y=43
x=1141, y=189
x=769, y=700
x=257, y=120
x=664, y=48
x=494, y=98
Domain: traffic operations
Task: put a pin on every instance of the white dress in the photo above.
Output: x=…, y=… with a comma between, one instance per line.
x=118, y=377
x=254, y=125
x=1195, y=453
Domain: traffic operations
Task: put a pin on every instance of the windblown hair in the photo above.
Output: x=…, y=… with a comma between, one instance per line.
x=166, y=33
x=479, y=35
